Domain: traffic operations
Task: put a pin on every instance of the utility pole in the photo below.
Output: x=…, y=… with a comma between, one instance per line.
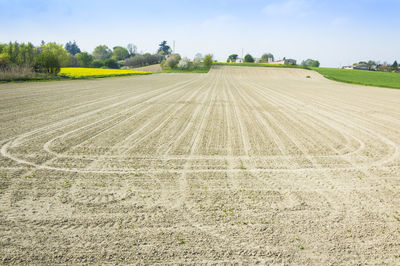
x=173, y=47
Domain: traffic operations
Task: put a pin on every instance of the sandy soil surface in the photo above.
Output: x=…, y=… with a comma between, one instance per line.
x=152, y=68
x=238, y=165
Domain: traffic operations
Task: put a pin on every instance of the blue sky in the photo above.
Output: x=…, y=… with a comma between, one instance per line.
x=336, y=32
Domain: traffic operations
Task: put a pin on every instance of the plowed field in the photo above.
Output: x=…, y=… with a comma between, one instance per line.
x=238, y=165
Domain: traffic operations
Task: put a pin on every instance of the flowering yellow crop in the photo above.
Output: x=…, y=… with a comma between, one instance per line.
x=76, y=72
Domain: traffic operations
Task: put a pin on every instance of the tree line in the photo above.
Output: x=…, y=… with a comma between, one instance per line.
x=49, y=57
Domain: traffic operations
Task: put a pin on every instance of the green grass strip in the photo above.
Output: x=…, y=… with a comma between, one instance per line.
x=362, y=77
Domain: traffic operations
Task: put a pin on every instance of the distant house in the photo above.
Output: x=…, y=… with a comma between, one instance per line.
x=348, y=67
x=286, y=62
x=361, y=67
x=257, y=60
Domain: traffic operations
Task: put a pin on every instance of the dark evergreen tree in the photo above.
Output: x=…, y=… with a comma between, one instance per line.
x=72, y=48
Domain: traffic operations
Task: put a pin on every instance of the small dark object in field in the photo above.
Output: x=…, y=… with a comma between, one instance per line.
x=308, y=77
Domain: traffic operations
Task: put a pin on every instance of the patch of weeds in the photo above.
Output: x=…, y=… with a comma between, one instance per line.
x=308, y=77
x=397, y=218
x=300, y=246
x=31, y=175
x=99, y=185
x=202, y=207
x=242, y=167
x=228, y=212
x=181, y=240
x=66, y=184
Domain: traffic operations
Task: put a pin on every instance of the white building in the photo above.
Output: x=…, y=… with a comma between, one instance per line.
x=286, y=62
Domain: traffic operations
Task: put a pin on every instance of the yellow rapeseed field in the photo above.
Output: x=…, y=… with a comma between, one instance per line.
x=77, y=72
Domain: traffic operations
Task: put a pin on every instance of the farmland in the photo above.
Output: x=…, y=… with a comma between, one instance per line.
x=241, y=164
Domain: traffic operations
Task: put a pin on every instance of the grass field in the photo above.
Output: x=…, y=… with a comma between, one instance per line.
x=80, y=72
x=370, y=78
x=241, y=165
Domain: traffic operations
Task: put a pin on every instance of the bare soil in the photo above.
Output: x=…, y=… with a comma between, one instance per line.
x=248, y=165
x=152, y=68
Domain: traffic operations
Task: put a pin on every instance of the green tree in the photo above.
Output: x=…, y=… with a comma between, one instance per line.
x=310, y=63
x=4, y=61
x=208, y=60
x=97, y=63
x=395, y=66
x=267, y=58
x=26, y=54
x=164, y=49
x=315, y=63
x=371, y=63
x=111, y=63
x=232, y=58
x=48, y=63
x=102, y=52
x=84, y=59
x=72, y=48
x=2, y=46
x=57, y=50
x=120, y=53
x=248, y=58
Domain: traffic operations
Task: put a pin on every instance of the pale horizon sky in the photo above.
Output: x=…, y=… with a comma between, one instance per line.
x=335, y=32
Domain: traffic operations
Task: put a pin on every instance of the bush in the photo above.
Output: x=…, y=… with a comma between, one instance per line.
x=111, y=63
x=163, y=63
x=135, y=61
x=97, y=64
x=173, y=60
x=143, y=60
x=48, y=63
x=197, y=62
x=183, y=63
x=208, y=60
